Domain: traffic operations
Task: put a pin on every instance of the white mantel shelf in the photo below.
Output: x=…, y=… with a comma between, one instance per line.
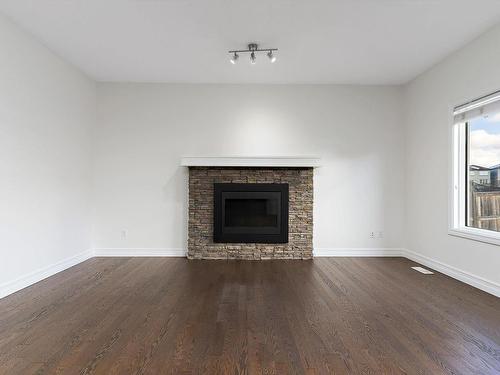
x=291, y=162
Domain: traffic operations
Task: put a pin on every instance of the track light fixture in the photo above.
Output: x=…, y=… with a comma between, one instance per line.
x=253, y=48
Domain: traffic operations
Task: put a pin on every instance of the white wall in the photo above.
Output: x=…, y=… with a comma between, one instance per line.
x=465, y=75
x=144, y=130
x=47, y=110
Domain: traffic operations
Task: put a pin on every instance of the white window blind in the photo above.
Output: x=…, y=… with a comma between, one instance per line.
x=480, y=107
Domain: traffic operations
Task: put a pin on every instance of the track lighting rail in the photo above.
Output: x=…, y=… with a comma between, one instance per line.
x=252, y=49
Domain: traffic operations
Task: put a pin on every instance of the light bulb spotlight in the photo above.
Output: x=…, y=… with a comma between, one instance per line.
x=272, y=56
x=234, y=58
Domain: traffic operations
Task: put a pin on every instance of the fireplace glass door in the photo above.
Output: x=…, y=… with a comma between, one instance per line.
x=251, y=213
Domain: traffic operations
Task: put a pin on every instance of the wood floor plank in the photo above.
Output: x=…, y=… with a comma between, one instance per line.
x=175, y=316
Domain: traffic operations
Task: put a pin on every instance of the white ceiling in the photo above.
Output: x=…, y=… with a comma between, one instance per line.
x=319, y=41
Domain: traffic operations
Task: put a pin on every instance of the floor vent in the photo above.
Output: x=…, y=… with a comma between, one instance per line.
x=423, y=270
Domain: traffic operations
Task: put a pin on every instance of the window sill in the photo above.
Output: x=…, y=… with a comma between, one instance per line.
x=475, y=234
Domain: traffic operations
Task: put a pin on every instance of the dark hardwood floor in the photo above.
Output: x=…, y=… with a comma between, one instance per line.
x=171, y=315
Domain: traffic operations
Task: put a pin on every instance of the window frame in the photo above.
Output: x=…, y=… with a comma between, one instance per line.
x=458, y=190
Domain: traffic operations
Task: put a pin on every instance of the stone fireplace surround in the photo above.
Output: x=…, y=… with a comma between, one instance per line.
x=203, y=173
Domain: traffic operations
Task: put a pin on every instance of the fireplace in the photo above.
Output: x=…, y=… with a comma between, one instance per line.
x=250, y=213
x=262, y=212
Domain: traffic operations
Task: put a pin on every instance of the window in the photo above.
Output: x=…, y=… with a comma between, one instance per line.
x=483, y=153
x=475, y=206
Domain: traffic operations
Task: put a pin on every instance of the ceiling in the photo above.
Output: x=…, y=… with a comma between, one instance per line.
x=319, y=41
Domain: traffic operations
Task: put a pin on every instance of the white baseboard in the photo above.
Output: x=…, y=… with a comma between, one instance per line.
x=456, y=273
x=140, y=252
x=358, y=252
x=42, y=273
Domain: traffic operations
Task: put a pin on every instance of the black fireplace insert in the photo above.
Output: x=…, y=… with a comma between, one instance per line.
x=251, y=213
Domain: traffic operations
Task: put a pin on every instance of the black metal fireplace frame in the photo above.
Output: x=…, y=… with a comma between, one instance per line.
x=221, y=236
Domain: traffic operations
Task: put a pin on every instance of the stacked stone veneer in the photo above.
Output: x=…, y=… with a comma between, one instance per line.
x=201, y=213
